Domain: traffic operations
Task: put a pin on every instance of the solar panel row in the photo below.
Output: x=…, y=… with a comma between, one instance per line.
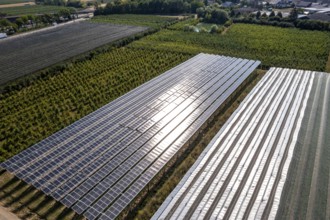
x=241, y=173
x=99, y=164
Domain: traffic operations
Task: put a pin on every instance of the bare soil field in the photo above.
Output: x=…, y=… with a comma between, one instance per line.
x=21, y=55
x=5, y=214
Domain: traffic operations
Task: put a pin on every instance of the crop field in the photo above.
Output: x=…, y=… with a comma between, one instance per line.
x=242, y=172
x=151, y=21
x=46, y=47
x=37, y=107
x=34, y=112
x=31, y=10
x=100, y=163
x=5, y=2
x=274, y=46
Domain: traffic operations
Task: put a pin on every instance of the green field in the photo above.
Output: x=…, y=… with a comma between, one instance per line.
x=31, y=10
x=137, y=20
x=48, y=105
x=5, y=2
x=273, y=46
x=43, y=106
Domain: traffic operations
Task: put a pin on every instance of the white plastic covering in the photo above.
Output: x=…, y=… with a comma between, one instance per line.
x=254, y=147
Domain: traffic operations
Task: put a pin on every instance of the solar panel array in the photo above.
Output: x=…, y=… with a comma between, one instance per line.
x=100, y=163
x=241, y=173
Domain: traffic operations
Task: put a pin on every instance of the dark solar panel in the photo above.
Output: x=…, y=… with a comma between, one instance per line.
x=100, y=163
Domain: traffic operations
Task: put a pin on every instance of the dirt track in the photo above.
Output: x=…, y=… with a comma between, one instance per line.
x=5, y=214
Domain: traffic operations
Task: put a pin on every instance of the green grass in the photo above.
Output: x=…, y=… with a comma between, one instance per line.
x=153, y=21
x=327, y=66
x=5, y=2
x=47, y=105
x=31, y=10
x=273, y=46
x=179, y=26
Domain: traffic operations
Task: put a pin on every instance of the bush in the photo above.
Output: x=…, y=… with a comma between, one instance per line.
x=189, y=28
x=203, y=30
x=228, y=23
x=312, y=25
x=215, y=29
x=213, y=15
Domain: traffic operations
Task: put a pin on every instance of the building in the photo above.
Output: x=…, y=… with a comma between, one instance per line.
x=319, y=17
x=303, y=4
x=227, y=4
x=3, y=35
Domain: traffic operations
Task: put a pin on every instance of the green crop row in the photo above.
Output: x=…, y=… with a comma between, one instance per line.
x=5, y=2
x=32, y=10
x=50, y=104
x=273, y=46
x=152, y=21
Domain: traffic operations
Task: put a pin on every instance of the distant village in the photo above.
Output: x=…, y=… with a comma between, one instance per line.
x=308, y=10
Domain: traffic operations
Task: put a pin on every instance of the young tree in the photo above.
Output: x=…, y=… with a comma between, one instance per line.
x=214, y=29
x=19, y=22
x=196, y=4
x=232, y=13
x=258, y=14
x=25, y=19
x=293, y=14
x=206, y=2
x=219, y=16
x=264, y=15
x=65, y=13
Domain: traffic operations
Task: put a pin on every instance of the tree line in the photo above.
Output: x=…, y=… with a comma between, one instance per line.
x=279, y=21
x=68, y=3
x=150, y=7
x=26, y=22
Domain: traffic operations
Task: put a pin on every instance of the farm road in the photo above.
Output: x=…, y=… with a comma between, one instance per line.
x=5, y=214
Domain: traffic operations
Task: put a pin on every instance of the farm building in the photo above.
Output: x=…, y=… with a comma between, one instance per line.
x=303, y=4
x=3, y=35
x=227, y=4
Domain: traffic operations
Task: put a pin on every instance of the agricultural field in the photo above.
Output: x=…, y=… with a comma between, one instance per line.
x=99, y=1
x=306, y=194
x=31, y=10
x=34, y=112
x=111, y=155
x=49, y=46
x=244, y=169
x=179, y=26
x=5, y=2
x=58, y=97
x=151, y=21
x=191, y=22
x=274, y=46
